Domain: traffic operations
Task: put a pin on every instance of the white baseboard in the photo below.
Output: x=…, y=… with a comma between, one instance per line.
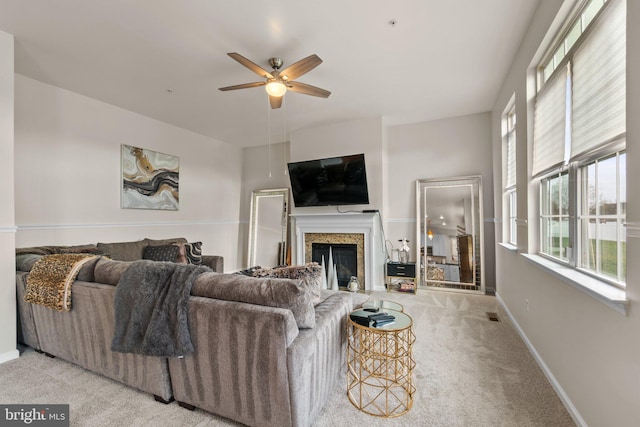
x=573, y=411
x=9, y=355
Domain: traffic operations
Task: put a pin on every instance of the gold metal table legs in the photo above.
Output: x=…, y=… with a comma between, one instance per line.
x=380, y=366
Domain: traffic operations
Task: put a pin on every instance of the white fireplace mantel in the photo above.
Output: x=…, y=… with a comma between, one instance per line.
x=367, y=224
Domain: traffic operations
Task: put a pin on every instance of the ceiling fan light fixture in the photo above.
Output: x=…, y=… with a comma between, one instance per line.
x=276, y=88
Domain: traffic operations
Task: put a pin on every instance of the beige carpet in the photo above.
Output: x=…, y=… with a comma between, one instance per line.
x=470, y=372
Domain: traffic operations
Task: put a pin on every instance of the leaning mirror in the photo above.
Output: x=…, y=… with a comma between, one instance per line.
x=268, y=227
x=448, y=219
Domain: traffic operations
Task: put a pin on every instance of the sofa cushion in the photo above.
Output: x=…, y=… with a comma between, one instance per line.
x=123, y=251
x=310, y=274
x=161, y=253
x=49, y=250
x=271, y=292
x=87, y=272
x=189, y=253
x=109, y=271
x=24, y=262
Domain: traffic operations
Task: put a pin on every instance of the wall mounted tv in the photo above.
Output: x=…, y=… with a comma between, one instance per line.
x=329, y=182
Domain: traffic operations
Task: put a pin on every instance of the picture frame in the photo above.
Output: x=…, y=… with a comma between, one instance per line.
x=150, y=180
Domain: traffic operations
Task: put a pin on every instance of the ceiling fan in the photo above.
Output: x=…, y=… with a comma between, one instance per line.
x=278, y=82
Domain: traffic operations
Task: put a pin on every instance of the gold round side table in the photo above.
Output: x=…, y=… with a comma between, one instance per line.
x=380, y=365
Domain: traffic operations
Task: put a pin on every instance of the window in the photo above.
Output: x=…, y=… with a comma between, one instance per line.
x=579, y=142
x=554, y=216
x=603, y=209
x=510, y=211
x=579, y=26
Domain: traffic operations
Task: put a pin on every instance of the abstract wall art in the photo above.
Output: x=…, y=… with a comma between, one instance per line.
x=149, y=179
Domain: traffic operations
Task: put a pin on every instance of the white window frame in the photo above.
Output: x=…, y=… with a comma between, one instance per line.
x=509, y=190
x=563, y=215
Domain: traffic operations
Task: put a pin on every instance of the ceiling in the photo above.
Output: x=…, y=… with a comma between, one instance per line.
x=166, y=59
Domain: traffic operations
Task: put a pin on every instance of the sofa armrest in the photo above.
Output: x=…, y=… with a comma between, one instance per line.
x=215, y=262
x=316, y=360
x=239, y=367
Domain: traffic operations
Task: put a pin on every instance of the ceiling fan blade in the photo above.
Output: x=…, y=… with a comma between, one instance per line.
x=301, y=67
x=251, y=65
x=242, y=86
x=275, y=101
x=307, y=89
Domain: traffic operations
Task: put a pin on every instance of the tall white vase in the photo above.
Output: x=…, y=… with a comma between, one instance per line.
x=334, y=279
x=323, y=278
x=330, y=270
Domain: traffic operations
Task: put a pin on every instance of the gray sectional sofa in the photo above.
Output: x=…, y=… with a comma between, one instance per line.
x=268, y=351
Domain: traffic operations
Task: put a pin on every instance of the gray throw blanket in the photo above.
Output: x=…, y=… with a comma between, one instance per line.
x=151, y=309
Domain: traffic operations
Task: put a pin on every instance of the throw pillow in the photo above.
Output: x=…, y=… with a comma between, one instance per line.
x=189, y=253
x=161, y=253
x=309, y=274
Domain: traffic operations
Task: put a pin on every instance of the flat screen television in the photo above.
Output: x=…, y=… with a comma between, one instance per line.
x=329, y=182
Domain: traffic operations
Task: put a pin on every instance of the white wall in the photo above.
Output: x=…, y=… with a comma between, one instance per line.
x=339, y=139
x=68, y=177
x=591, y=351
x=458, y=146
x=8, y=349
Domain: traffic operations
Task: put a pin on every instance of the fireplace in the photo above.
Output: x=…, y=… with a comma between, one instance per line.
x=361, y=231
x=343, y=255
x=346, y=244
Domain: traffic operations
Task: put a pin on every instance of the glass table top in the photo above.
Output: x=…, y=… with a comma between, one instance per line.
x=401, y=321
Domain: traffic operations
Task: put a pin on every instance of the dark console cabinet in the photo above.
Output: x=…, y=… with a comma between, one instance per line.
x=401, y=277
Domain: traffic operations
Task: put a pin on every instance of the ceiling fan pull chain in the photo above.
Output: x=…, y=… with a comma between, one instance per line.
x=269, y=133
x=284, y=135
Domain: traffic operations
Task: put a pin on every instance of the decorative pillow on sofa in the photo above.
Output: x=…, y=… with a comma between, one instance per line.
x=161, y=253
x=310, y=274
x=189, y=253
x=281, y=293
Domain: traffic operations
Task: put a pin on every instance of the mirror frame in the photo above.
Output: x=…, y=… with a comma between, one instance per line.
x=256, y=195
x=478, y=224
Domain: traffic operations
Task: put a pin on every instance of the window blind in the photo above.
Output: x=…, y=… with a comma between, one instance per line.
x=549, y=124
x=599, y=83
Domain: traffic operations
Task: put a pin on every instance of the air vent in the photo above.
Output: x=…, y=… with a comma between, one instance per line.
x=493, y=316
